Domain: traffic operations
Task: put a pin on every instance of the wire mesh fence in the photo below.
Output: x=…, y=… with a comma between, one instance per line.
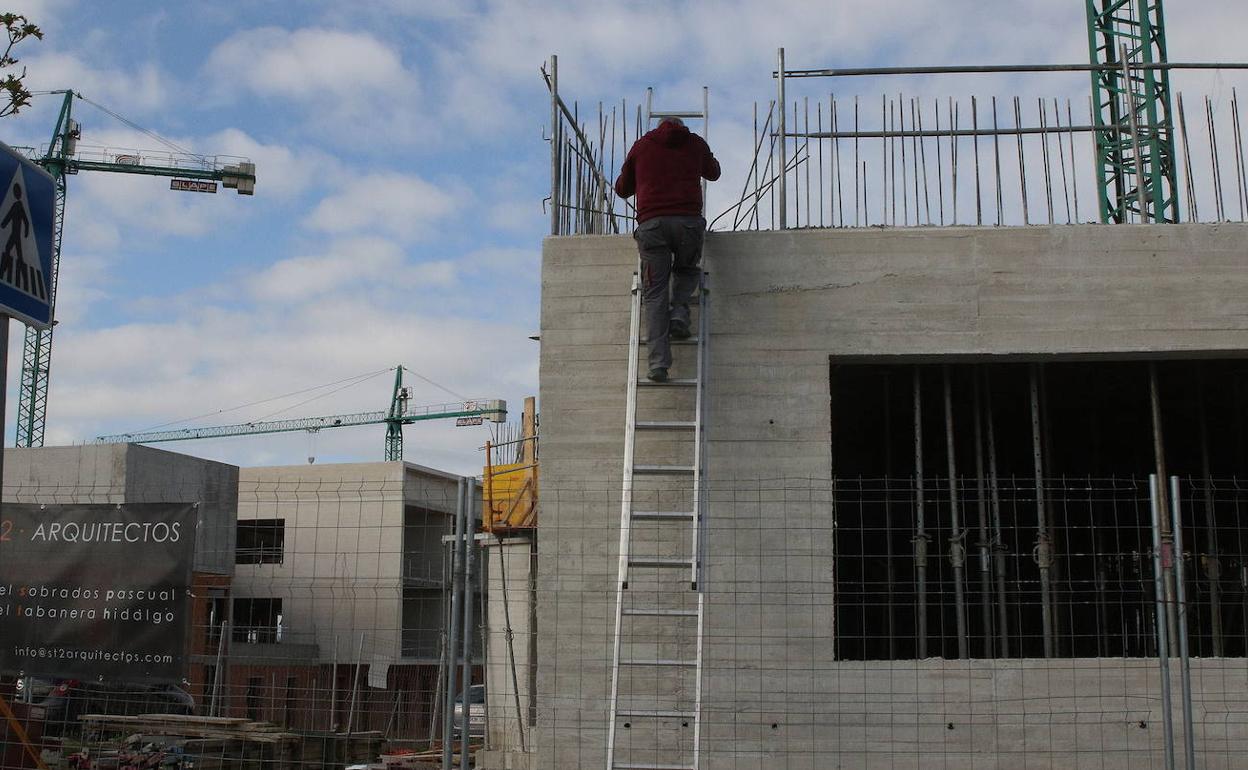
x=326, y=640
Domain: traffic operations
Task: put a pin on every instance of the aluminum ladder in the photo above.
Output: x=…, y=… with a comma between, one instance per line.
x=655, y=607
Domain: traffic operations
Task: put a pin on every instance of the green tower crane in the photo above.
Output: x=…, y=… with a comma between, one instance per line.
x=400, y=413
x=1132, y=112
x=62, y=159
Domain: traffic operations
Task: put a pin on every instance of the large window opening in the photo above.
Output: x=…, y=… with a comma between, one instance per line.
x=257, y=621
x=260, y=541
x=996, y=564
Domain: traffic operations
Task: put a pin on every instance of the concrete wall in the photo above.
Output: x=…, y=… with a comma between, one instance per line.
x=782, y=303
x=129, y=473
x=345, y=550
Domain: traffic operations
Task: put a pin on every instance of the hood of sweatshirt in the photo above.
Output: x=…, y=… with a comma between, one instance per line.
x=670, y=134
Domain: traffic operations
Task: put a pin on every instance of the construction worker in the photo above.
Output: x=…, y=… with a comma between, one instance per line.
x=665, y=168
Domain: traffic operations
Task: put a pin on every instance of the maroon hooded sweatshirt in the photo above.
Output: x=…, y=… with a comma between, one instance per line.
x=665, y=168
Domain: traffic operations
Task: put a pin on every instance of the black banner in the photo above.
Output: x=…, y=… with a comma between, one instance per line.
x=96, y=591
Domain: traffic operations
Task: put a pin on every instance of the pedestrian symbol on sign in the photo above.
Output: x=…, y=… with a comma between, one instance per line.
x=19, y=261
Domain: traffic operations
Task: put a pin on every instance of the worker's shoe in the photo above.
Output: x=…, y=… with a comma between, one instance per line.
x=657, y=375
x=678, y=330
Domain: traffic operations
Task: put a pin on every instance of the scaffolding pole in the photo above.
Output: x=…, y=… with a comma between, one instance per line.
x=1044, y=544
x=985, y=553
x=920, y=539
x=957, y=549
x=998, y=542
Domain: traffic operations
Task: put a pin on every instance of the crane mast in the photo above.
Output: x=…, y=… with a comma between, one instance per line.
x=1127, y=94
x=60, y=160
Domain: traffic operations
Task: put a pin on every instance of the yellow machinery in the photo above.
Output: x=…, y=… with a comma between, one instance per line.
x=510, y=489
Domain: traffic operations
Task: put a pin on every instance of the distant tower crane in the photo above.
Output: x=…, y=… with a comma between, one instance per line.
x=400, y=413
x=62, y=158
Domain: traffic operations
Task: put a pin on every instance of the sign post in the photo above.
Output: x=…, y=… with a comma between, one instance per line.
x=27, y=227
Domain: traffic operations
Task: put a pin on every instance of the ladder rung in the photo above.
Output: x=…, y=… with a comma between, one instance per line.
x=658, y=613
x=644, y=766
x=666, y=424
x=685, y=382
x=659, y=662
x=662, y=516
x=655, y=714
x=691, y=340
x=663, y=470
x=661, y=563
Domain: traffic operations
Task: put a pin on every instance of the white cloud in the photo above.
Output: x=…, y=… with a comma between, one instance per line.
x=401, y=205
x=306, y=63
x=142, y=89
x=281, y=172
x=83, y=281
x=349, y=86
x=358, y=264
x=135, y=375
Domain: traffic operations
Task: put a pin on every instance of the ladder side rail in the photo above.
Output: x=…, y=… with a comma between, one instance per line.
x=698, y=433
x=699, y=502
x=626, y=509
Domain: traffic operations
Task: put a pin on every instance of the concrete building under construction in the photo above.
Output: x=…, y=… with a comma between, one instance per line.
x=918, y=495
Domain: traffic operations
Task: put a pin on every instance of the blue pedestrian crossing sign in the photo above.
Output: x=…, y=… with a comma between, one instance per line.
x=27, y=205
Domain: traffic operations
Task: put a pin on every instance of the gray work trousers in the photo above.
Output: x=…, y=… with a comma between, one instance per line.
x=670, y=248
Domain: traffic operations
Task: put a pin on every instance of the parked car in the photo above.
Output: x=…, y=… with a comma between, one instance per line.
x=476, y=712
x=65, y=700
x=32, y=689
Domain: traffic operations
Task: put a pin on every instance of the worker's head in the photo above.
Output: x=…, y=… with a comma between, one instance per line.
x=673, y=120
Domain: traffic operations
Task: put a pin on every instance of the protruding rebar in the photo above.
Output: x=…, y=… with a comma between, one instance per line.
x=979, y=206
x=1188, y=183
x=1022, y=161
x=996, y=156
x=780, y=102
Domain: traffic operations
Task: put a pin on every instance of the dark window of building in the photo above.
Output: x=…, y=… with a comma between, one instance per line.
x=989, y=510
x=257, y=621
x=260, y=541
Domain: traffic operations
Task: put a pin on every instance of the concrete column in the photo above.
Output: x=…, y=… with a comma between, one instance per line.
x=510, y=672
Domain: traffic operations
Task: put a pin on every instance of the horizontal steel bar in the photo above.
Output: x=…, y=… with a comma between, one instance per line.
x=979, y=69
x=938, y=134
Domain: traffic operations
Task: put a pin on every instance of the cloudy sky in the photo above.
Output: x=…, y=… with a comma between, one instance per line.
x=401, y=164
